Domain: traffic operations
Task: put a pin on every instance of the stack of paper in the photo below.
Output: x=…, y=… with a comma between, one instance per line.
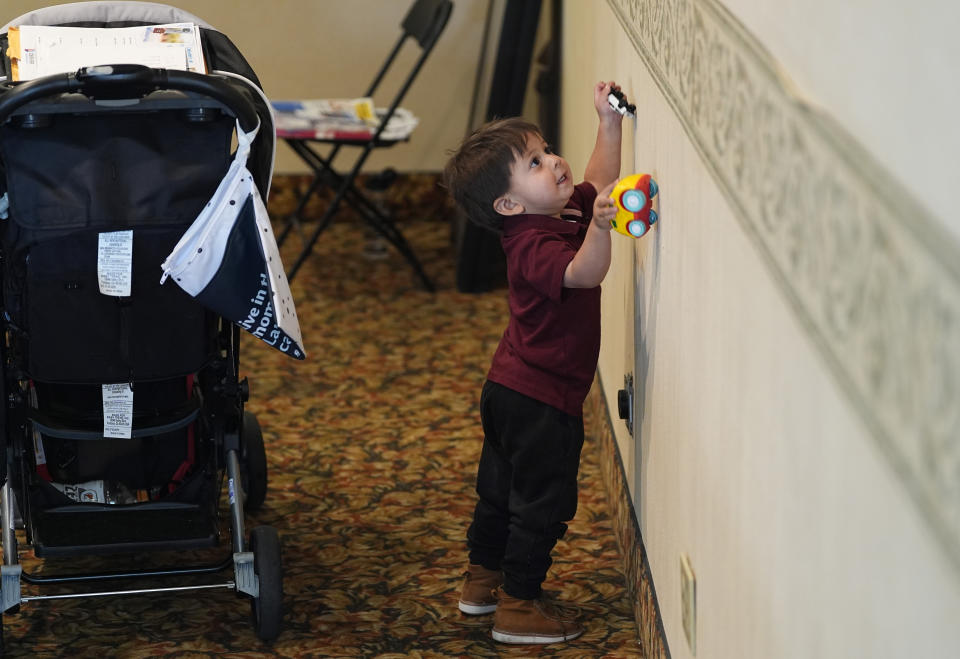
x=38, y=50
x=339, y=119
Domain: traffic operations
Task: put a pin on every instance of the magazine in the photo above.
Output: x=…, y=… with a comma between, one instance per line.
x=39, y=50
x=339, y=119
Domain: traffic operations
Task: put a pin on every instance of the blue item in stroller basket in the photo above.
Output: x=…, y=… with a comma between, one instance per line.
x=125, y=414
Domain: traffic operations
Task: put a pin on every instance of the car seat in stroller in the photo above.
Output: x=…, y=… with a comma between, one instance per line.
x=106, y=158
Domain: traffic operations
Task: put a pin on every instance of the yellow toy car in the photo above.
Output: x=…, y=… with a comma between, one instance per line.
x=633, y=196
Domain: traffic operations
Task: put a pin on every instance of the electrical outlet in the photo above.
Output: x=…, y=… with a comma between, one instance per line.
x=688, y=602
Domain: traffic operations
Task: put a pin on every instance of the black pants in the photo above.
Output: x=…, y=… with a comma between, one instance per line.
x=527, y=483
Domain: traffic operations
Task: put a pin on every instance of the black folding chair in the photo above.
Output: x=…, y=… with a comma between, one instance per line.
x=424, y=23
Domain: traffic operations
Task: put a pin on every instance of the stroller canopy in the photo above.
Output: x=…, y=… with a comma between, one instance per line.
x=221, y=55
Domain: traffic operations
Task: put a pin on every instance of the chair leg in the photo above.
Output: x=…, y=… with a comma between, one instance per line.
x=386, y=228
x=294, y=219
x=308, y=247
x=324, y=173
x=381, y=224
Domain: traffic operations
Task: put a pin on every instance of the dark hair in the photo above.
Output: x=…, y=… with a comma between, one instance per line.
x=478, y=172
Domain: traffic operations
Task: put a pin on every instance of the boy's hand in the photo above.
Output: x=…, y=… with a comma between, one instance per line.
x=604, y=208
x=600, y=92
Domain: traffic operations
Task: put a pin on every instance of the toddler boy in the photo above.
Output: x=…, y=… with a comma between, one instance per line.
x=556, y=237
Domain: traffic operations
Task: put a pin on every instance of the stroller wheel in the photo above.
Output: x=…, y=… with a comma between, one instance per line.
x=253, y=463
x=267, y=607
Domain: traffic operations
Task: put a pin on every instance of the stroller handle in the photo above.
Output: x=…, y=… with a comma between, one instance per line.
x=123, y=81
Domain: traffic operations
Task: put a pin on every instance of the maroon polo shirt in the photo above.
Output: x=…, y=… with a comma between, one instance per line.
x=550, y=347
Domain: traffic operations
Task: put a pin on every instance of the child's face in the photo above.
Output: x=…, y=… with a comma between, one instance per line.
x=540, y=180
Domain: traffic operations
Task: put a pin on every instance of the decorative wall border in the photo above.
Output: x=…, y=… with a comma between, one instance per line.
x=869, y=272
x=651, y=636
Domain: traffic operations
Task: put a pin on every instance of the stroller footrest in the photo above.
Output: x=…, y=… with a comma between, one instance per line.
x=244, y=573
x=84, y=530
x=10, y=586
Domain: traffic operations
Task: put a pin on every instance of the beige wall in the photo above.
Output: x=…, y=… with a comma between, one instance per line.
x=895, y=82
x=797, y=330
x=331, y=48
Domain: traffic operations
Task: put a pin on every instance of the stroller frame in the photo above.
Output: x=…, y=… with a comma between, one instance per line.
x=233, y=445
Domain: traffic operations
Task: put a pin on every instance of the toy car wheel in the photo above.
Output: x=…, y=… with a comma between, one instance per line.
x=654, y=188
x=267, y=607
x=633, y=200
x=637, y=228
x=653, y=217
x=253, y=463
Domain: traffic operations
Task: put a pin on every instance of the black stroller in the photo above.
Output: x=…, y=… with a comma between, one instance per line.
x=134, y=152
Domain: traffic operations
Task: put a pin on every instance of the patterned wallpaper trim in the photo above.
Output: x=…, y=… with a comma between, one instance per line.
x=871, y=275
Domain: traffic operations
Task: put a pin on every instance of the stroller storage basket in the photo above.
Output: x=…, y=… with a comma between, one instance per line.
x=69, y=446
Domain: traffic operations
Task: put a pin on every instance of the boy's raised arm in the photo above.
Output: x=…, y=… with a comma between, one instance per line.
x=604, y=164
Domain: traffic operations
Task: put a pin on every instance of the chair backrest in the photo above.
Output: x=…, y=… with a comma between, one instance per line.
x=426, y=20
x=424, y=23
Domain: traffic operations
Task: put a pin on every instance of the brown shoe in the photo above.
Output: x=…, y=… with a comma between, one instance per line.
x=478, y=595
x=532, y=621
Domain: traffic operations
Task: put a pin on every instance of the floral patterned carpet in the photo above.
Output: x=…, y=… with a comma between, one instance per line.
x=372, y=445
